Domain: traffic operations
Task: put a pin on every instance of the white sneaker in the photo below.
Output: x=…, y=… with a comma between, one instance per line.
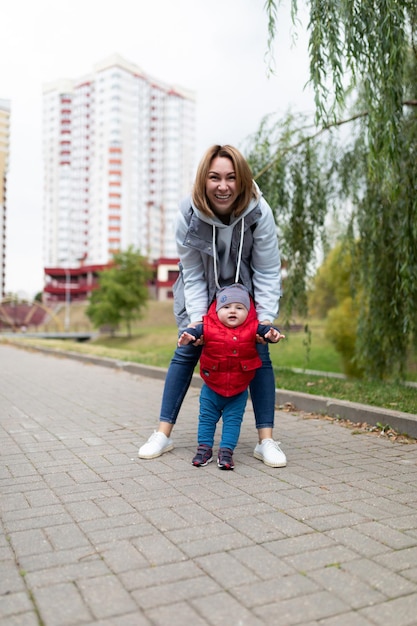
x=157, y=444
x=270, y=453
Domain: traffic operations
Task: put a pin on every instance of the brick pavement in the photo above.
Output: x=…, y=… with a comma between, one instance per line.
x=93, y=535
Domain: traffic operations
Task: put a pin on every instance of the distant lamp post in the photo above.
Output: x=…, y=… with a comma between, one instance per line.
x=67, y=299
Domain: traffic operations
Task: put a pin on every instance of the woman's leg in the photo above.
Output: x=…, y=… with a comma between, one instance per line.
x=177, y=381
x=262, y=389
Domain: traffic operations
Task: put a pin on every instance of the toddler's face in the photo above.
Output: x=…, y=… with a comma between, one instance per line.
x=232, y=314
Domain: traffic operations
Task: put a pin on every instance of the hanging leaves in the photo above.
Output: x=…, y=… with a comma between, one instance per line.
x=368, y=176
x=354, y=42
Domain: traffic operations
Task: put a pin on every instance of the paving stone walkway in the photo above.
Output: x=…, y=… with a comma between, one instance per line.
x=93, y=535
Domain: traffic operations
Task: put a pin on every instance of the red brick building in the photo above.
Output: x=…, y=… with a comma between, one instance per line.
x=75, y=284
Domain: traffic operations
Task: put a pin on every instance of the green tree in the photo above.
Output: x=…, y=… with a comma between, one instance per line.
x=295, y=176
x=122, y=292
x=367, y=48
x=341, y=327
x=333, y=281
x=334, y=296
x=362, y=43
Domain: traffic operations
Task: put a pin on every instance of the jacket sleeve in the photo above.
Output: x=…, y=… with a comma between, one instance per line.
x=266, y=265
x=195, y=283
x=195, y=332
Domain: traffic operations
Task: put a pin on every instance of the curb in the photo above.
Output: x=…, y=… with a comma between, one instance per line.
x=403, y=423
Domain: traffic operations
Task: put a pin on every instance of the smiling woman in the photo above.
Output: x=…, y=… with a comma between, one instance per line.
x=224, y=183
x=221, y=187
x=146, y=33
x=226, y=234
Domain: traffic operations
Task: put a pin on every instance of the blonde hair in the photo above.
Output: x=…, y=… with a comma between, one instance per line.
x=244, y=179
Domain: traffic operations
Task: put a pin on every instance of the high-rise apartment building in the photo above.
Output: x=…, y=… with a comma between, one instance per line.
x=4, y=161
x=118, y=149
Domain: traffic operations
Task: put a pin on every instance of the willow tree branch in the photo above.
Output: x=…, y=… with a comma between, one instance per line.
x=317, y=134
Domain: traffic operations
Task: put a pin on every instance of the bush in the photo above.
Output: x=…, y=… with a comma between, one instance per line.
x=341, y=325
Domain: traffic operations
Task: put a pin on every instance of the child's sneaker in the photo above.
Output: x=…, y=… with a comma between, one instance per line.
x=203, y=456
x=225, y=459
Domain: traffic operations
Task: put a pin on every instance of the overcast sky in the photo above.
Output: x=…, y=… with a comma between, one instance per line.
x=216, y=48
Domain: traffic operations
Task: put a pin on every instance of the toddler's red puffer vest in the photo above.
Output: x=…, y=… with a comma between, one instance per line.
x=229, y=358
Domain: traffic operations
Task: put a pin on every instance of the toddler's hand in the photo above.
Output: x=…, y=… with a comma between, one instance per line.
x=273, y=335
x=186, y=338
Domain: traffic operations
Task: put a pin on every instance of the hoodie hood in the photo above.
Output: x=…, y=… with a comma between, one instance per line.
x=258, y=256
x=221, y=241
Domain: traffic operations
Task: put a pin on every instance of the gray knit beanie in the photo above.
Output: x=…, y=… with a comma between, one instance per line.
x=234, y=293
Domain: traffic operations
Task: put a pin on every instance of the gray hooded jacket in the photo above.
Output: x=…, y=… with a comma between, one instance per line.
x=214, y=255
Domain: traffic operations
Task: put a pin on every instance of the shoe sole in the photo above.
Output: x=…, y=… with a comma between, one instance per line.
x=160, y=453
x=261, y=458
x=202, y=464
x=225, y=467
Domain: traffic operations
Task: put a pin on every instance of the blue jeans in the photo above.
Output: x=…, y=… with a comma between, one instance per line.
x=213, y=406
x=180, y=372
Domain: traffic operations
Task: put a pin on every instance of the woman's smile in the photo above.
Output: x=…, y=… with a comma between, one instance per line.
x=221, y=188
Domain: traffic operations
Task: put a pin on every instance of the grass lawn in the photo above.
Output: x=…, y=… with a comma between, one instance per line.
x=306, y=351
x=154, y=338
x=388, y=395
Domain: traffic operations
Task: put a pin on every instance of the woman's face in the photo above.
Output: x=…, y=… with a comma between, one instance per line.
x=221, y=186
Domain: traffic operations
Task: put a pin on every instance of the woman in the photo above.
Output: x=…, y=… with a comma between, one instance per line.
x=225, y=234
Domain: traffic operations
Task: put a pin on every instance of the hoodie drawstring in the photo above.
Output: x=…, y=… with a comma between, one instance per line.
x=239, y=256
x=216, y=279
